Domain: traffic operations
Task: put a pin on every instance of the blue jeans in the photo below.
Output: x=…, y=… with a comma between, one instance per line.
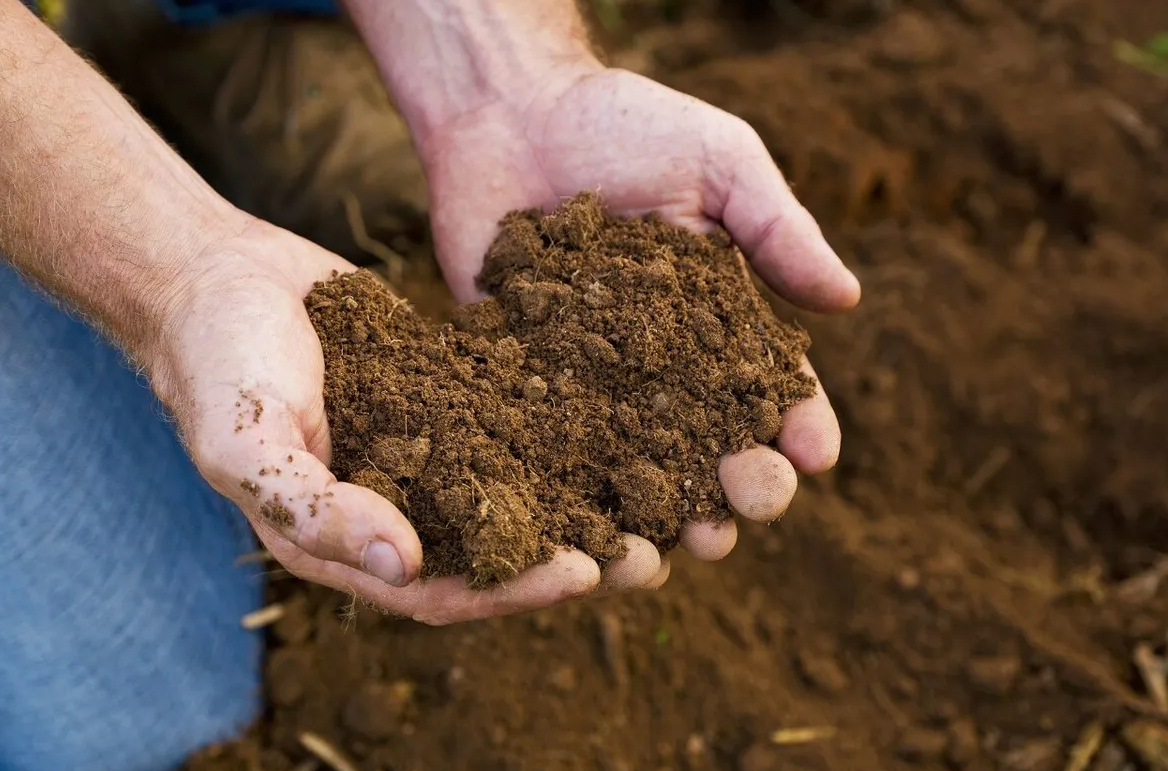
x=120, y=593
x=202, y=12
x=196, y=12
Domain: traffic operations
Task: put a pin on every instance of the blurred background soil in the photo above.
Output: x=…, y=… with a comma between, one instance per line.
x=977, y=585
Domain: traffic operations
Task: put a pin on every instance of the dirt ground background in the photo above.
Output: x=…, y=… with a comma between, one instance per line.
x=977, y=585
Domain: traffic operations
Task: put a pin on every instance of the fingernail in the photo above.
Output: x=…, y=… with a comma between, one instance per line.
x=382, y=560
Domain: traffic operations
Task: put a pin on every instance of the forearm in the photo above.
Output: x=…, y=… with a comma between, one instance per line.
x=446, y=58
x=94, y=206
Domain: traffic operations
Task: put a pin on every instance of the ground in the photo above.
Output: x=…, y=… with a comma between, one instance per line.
x=976, y=586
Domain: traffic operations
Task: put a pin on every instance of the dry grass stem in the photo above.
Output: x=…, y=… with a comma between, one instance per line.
x=258, y=619
x=328, y=754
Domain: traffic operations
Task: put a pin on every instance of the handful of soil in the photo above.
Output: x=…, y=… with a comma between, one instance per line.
x=592, y=394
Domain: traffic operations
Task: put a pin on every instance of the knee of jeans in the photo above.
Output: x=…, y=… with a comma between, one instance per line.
x=120, y=637
x=160, y=741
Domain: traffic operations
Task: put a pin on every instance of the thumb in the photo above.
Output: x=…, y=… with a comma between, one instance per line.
x=252, y=448
x=785, y=246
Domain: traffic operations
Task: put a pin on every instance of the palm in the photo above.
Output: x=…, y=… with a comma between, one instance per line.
x=646, y=147
x=243, y=374
x=643, y=147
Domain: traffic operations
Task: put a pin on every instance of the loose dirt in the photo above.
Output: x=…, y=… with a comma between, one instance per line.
x=971, y=585
x=592, y=393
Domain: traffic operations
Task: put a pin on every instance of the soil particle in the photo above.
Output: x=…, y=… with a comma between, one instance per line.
x=534, y=389
x=563, y=679
x=822, y=671
x=588, y=396
x=995, y=675
x=406, y=456
x=276, y=513
x=766, y=421
x=250, y=487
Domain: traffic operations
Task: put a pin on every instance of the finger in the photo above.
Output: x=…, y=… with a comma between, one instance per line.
x=263, y=465
x=448, y=600
x=638, y=567
x=662, y=575
x=709, y=541
x=759, y=483
x=810, y=437
x=748, y=194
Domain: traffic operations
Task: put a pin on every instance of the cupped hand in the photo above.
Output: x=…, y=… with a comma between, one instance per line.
x=645, y=147
x=241, y=369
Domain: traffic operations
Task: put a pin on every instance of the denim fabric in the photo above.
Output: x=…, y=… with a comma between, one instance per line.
x=198, y=12
x=120, y=596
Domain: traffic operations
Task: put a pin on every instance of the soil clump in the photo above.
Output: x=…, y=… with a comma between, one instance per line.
x=591, y=394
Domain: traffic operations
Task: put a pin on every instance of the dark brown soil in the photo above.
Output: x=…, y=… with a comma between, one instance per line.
x=592, y=393
x=968, y=590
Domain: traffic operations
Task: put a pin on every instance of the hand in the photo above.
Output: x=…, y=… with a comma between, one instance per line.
x=645, y=147
x=241, y=368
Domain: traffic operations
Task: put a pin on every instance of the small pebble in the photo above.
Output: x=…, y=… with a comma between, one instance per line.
x=908, y=578
x=563, y=679
x=535, y=389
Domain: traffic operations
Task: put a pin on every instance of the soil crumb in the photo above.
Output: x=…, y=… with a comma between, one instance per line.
x=615, y=361
x=276, y=513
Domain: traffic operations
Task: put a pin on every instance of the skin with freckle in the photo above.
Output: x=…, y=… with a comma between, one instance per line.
x=593, y=394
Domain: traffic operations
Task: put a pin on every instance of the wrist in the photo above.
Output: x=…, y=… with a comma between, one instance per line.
x=148, y=302
x=210, y=274
x=97, y=209
x=445, y=59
